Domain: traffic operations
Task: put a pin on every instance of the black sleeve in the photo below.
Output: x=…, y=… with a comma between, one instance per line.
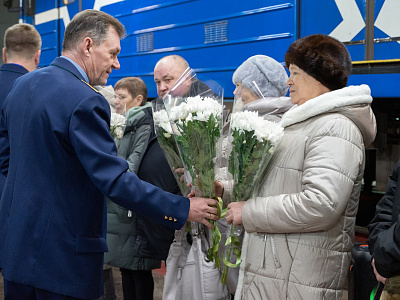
x=384, y=231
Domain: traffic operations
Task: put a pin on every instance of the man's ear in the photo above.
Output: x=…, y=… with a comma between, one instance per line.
x=4, y=55
x=37, y=57
x=87, y=45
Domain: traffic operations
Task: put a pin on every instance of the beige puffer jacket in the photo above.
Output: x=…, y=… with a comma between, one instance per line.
x=300, y=228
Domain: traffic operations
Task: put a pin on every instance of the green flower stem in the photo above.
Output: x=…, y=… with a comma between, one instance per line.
x=247, y=161
x=212, y=252
x=232, y=246
x=197, y=141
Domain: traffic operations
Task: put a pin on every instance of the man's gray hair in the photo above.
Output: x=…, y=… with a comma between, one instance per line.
x=90, y=23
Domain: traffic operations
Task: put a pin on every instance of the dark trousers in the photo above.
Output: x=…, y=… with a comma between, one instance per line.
x=16, y=291
x=137, y=285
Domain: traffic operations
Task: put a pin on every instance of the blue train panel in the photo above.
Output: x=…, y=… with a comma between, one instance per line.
x=215, y=37
x=347, y=20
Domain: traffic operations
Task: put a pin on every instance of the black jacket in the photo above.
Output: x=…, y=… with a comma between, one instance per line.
x=384, y=230
x=154, y=169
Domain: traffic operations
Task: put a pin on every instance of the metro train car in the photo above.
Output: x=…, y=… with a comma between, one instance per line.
x=215, y=37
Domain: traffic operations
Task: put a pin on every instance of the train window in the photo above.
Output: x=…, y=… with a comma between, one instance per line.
x=29, y=7
x=66, y=2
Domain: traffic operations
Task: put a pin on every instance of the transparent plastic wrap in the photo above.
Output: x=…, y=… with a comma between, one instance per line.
x=167, y=143
x=195, y=111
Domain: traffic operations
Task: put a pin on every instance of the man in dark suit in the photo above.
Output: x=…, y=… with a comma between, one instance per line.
x=21, y=53
x=60, y=161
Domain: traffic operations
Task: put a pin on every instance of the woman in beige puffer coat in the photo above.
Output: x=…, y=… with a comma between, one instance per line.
x=300, y=226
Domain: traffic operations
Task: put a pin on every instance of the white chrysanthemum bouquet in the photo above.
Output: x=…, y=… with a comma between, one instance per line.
x=117, y=125
x=254, y=140
x=195, y=112
x=198, y=124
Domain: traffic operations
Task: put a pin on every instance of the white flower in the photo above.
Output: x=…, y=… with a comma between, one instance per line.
x=263, y=130
x=119, y=132
x=117, y=125
x=189, y=118
x=196, y=108
x=161, y=120
x=117, y=119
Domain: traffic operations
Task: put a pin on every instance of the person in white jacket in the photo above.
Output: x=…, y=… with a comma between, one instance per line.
x=300, y=223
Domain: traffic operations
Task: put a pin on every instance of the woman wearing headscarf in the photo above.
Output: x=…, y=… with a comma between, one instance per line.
x=260, y=86
x=300, y=225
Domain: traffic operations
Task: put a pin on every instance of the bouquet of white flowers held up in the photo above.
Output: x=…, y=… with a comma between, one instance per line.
x=195, y=111
x=117, y=125
x=167, y=141
x=254, y=141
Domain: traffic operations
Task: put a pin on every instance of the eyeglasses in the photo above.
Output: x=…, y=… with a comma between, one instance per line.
x=114, y=95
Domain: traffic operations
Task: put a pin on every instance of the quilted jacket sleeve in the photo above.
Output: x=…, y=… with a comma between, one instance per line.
x=328, y=167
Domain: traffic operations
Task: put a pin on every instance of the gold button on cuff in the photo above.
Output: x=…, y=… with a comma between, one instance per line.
x=166, y=218
x=175, y=220
x=170, y=218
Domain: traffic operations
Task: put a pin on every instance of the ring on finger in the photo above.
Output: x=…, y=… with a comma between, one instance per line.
x=209, y=215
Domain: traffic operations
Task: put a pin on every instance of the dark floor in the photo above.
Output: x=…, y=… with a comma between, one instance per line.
x=158, y=285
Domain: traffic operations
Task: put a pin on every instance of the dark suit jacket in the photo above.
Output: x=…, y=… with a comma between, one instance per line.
x=8, y=73
x=62, y=163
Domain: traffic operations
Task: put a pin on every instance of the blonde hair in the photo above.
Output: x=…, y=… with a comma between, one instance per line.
x=22, y=40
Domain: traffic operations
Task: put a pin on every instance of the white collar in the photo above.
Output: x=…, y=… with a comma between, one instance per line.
x=351, y=95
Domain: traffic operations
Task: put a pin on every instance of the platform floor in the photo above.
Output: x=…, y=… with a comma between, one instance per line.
x=158, y=284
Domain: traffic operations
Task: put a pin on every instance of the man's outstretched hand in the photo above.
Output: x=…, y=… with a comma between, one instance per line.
x=202, y=210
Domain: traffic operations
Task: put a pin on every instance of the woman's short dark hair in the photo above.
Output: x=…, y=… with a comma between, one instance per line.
x=135, y=87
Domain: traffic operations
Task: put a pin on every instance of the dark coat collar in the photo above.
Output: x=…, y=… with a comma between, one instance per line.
x=13, y=68
x=68, y=66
